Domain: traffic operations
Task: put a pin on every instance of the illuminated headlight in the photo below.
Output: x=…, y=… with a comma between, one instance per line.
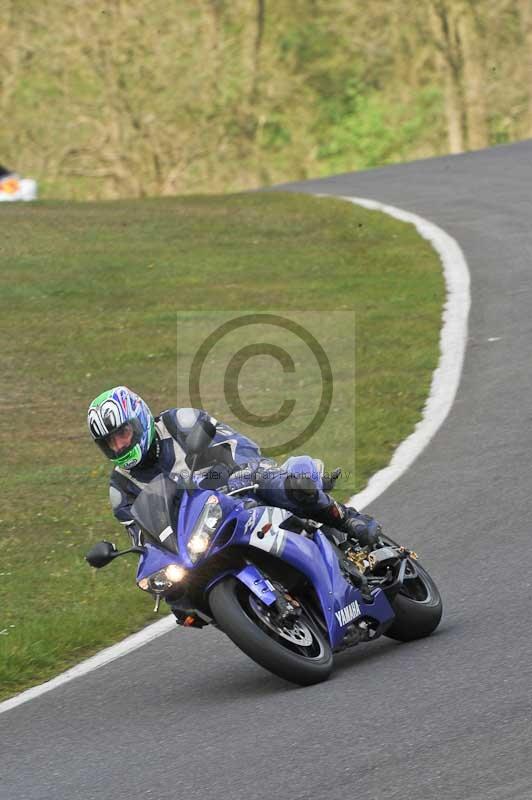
x=205, y=527
x=163, y=580
x=199, y=542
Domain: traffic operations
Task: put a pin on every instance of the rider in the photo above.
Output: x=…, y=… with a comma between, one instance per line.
x=141, y=447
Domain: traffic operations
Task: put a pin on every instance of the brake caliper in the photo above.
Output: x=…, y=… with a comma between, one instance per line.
x=286, y=608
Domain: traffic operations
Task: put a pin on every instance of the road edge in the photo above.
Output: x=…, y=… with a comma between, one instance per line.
x=453, y=341
x=444, y=385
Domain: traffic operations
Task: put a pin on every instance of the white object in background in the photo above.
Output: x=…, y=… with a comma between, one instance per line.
x=14, y=188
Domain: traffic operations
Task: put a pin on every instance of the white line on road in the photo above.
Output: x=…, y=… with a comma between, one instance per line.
x=103, y=657
x=444, y=385
x=453, y=340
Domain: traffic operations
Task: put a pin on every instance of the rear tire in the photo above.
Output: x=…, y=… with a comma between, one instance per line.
x=418, y=607
x=298, y=652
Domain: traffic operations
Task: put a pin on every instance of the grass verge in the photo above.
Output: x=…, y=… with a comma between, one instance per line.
x=88, y=299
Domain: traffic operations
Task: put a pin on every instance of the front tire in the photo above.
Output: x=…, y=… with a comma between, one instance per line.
x=298, y=652
x=418, y=606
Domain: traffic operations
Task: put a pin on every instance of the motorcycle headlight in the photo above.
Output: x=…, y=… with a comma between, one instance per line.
x=163, y=580
x=204, y=528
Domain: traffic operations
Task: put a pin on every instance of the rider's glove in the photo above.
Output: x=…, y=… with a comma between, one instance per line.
x=251, y=473
x=215, y=477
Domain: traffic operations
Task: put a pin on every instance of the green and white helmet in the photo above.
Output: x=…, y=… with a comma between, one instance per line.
x=122, y=426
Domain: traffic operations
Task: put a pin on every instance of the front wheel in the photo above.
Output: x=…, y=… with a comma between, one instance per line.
x=418, y=606
x=295, y=650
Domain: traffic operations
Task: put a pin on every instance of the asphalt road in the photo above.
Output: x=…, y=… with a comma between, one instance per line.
x=447, y=717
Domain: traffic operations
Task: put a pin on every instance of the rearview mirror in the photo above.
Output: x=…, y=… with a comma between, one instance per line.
x=101, y=554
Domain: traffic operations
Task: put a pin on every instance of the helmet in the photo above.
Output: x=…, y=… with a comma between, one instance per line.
x=122, y=426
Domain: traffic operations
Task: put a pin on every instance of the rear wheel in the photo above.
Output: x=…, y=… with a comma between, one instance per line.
x=418, y=606
x=296, y=649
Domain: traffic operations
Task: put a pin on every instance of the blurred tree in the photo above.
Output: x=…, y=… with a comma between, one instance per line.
x=472, y=36
x=525, y=13
x=118, y=98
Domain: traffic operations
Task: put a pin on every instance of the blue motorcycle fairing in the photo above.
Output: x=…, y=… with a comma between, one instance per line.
x=153, y=559
x=189, y=513
x=340, y=601
x=255, y=581
x=345, y=594
x=259, y=527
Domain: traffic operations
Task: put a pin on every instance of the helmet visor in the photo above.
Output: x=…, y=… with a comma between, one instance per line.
x=123, y=439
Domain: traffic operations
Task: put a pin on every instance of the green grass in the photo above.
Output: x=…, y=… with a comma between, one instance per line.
x=89, y=295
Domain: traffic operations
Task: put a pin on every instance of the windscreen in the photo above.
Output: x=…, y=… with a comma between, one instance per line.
x=155, y=510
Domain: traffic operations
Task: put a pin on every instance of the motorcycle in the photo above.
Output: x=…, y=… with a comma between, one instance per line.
x=287, y=591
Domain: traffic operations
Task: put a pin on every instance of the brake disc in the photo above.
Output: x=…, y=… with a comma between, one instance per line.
x=295, y=631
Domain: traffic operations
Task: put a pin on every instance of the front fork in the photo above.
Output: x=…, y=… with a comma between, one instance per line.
x=264, y=590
